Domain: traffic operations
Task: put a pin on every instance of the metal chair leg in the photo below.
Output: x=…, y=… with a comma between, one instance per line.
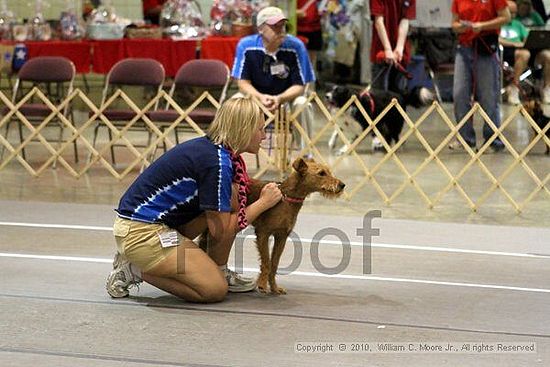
x=21, y=138
x=5, y=137
x=75, y=146
x=112, y=146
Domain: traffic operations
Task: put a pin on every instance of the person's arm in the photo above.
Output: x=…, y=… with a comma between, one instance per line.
x=289, y=95
x=223, y=226
x=503, y=17
x=383, y=35
x=271, y=102
x=504, y=42
x=401, y=39
x=457, y=25
x=516, y=44
x=246, y=88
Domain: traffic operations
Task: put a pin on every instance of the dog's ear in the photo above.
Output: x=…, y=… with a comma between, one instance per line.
x=300, y=165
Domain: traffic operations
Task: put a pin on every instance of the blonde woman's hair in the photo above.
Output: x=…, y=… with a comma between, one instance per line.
x=235, y=123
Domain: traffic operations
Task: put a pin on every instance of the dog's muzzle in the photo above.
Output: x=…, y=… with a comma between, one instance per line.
x=329, y=98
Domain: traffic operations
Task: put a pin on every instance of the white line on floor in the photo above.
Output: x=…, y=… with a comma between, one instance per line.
x=59, y=226
x=309, y=240
x=53, y=257
x=305, y=274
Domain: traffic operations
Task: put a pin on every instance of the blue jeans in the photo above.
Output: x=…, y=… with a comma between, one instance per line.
x=484, y=72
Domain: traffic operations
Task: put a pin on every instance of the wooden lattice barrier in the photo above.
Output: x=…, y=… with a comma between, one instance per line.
x=434, y=153
x=285, y=124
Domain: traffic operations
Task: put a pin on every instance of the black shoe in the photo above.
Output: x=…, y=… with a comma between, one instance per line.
x=496, y=146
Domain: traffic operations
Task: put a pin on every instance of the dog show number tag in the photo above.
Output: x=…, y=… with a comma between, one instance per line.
x=168, y=239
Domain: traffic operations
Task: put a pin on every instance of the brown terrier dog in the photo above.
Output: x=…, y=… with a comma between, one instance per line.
x=308, y=177
x=534, y=109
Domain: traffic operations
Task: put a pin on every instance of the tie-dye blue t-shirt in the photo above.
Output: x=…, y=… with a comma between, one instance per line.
x=179, y=186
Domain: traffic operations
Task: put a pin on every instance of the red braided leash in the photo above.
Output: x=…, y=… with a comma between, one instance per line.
x=241, y=178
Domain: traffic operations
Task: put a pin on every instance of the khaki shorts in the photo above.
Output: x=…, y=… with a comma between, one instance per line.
x=140, y=242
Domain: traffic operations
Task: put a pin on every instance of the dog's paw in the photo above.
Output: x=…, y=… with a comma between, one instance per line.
x=278, y=290
x=263, y=289
x=275, y=289
x=262, y=286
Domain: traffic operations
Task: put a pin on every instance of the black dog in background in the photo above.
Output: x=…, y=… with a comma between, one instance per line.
x=374, y=102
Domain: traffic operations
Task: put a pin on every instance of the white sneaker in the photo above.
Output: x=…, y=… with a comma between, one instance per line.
x=546, y=95
x=121, y=278
x=237, y=283
x=513, y=95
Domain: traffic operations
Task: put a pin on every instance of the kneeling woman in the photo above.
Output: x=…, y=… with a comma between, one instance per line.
x=197, y=184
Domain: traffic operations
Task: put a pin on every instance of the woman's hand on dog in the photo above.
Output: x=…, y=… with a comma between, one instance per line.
x=270, y=195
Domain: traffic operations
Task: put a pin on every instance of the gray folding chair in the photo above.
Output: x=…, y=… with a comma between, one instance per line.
x=54, y=76
x=147, y=73
x=200, y=73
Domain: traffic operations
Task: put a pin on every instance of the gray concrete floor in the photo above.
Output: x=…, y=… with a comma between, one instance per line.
x=443, y=275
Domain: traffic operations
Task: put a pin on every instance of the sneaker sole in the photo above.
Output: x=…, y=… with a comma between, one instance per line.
x=241, y=289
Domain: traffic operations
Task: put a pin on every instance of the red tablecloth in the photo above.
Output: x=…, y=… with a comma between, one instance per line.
x=171, y=54
x=79, y=52
x=105, y=54
x=99, y=56
x=220, y=48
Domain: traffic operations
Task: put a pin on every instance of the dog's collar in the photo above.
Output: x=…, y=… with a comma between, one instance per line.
x=290, y=199
x=366, y=93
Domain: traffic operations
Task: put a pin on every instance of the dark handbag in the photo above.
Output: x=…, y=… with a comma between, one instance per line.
x=487, y=44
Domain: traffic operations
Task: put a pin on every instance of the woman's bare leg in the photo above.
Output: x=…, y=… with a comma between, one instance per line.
x=190, y=274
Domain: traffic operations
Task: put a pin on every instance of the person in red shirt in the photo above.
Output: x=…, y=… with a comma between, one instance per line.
x=390, y=46
x=389, y=41
x=309, y=26
x=391, y=25
x=152, y=9
x=477, y=64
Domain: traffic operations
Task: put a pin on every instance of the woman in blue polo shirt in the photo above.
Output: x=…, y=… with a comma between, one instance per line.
x=197, y=184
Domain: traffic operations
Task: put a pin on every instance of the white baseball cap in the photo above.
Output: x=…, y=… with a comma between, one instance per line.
x=270, y=15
